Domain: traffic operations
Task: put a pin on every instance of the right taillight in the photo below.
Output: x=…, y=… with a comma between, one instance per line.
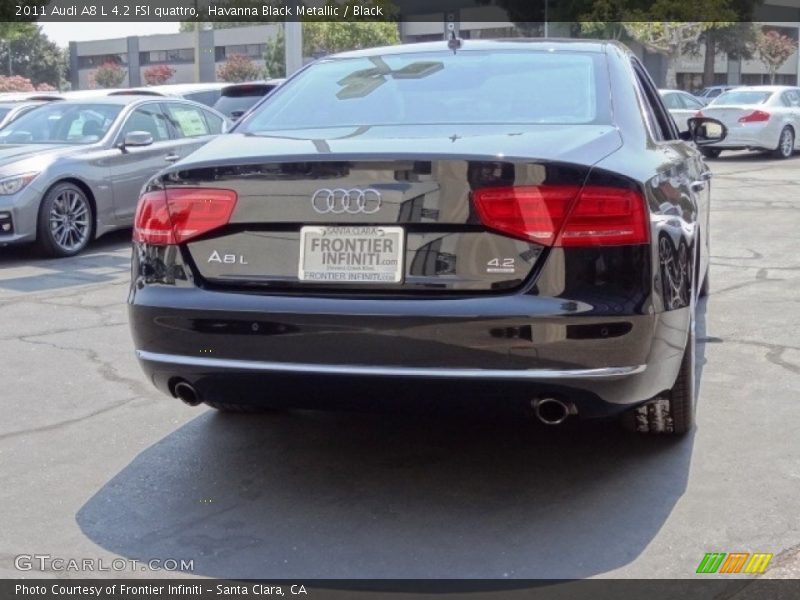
x=565, y=216
x=757, y=116
x=176, y=215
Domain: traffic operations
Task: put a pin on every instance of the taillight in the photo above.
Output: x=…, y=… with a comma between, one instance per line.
x=565, y=216
x=177, y=215
x=757, y=116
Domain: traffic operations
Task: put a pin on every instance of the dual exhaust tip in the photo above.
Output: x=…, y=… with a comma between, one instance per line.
x=186, y=393
x=552, y=411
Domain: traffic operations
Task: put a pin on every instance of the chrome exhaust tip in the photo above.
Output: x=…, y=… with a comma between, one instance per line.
x=186, y=393
x=552, y=411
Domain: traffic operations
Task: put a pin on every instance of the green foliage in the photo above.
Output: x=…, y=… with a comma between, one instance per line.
x=328, y=37
x=33, y=56
x=275, y=56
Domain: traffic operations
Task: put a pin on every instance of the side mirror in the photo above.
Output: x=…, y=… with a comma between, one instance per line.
x=704, y=131
x=136, y=139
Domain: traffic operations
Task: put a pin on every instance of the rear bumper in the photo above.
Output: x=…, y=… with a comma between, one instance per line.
x=331, y=352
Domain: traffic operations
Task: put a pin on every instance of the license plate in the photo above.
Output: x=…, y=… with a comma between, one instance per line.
x=352, y=254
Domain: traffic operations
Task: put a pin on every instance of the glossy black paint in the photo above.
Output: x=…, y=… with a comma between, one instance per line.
x=574, y=308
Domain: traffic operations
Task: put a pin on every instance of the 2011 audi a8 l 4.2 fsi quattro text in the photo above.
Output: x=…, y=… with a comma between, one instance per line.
x=497, y=220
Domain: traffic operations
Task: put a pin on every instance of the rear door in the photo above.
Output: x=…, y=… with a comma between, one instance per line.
x=130, y=168
x=681, y=194
x=192, y=126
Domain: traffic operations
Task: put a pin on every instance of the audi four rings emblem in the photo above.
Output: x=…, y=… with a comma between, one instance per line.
x=340, y=201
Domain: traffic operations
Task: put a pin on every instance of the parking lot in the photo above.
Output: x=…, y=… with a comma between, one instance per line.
x=97, y=464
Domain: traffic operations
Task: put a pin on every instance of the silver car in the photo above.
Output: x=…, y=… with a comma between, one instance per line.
x=681, y=105
x=72, y=170
x=762, y=117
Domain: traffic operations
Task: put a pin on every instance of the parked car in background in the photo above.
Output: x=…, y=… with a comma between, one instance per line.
x=764, y=118
x=475, y=219
x=681, y=105
x=707, y=94
x=72, y=170
x=204, y=93
x=236, y=99
x=11, y=110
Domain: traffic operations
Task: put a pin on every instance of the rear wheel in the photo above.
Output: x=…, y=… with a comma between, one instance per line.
x=672, y=412
x=785, y=147
x=65, y=221
x=710, y=152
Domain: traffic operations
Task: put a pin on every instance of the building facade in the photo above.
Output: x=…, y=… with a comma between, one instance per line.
x=194, y=56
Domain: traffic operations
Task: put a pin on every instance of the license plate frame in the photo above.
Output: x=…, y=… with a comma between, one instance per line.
x=357, y=260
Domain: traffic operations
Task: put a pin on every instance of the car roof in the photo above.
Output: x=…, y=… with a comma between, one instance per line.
x=18, y=103
x=122, y=100
x=569, y=44
x=180, y=88
x=765, y=88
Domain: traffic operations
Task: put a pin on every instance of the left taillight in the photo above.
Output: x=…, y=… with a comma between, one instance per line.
x=176, y=215
x=566, y=216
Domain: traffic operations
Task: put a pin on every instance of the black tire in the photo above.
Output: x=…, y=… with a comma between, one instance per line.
x=785, y=147
x=672, y=412
x=66, y=221
x=229, y=407
x=710, y=152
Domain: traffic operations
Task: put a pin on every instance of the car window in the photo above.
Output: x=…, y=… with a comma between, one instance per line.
x=4, y=112
x=62, y=123
x=673, y=101
x=691, y=102
x=432, y=88
x=208, y=97
x=743, y=97
x=147, y=118
x=661, y=124
x=215, y=123
x=188, y=120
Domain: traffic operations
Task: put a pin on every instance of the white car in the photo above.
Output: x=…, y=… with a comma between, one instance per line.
x=765, y=118
x=681, y=105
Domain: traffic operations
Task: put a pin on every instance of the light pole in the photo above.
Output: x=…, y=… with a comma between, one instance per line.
x=546, y=28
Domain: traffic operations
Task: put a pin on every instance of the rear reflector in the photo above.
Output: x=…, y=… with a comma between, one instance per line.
x=177, y=215
x=565, y=216
x=757, y=116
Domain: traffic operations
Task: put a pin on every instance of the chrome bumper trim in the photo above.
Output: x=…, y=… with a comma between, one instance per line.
x=388, y=371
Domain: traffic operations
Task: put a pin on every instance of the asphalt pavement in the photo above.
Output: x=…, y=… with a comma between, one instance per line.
x=97, y=465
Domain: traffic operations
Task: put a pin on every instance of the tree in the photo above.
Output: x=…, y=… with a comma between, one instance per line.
x=109, y=75
x=33, y=56
x=774, y=49
x=158, y=74
x=326, y=37
x=736, y=39
x=275, y=56
x=239, y=68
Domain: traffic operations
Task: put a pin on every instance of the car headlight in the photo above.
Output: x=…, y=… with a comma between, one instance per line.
x=11, y=185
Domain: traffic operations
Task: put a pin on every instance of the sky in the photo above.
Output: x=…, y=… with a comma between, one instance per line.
x=64, y=33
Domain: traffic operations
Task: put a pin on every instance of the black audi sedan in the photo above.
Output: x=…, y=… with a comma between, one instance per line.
x=498, y=221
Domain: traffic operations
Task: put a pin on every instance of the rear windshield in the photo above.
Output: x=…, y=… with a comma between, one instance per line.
x=736, y=97
x=207, y=97
x=478, y=87
x=240, y=103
